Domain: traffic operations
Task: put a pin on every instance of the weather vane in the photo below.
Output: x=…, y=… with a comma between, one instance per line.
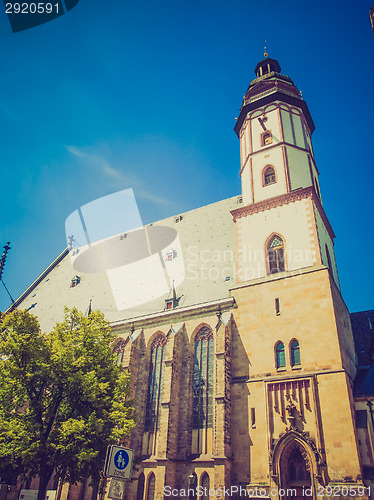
x=265, y=51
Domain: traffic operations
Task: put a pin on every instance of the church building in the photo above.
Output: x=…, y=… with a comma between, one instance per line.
x=243, y=374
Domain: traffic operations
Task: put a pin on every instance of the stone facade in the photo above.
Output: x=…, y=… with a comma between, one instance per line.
x=244, y=386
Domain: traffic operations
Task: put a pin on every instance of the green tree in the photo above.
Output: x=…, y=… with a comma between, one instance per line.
x=63, y=400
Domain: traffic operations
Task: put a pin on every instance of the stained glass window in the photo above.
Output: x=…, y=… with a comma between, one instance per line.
x=155, y=380
x=203, y=380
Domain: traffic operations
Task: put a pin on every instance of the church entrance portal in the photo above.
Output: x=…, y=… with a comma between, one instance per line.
x=295, y=473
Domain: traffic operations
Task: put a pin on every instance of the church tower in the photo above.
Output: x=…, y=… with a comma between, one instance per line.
x=293, y=360
x=279, y=172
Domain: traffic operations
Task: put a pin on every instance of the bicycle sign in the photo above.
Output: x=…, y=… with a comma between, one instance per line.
x=118, y=462
x=116, y=489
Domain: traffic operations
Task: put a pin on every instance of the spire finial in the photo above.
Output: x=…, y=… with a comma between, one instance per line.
x=265, y=51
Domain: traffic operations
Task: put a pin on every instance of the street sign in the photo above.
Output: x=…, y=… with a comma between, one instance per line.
x=116, y=489
x=118, y=462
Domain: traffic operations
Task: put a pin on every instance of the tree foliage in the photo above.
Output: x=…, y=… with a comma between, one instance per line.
x=62, y=398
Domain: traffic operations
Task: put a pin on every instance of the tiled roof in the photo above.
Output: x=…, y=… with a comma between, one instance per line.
x=207, y=242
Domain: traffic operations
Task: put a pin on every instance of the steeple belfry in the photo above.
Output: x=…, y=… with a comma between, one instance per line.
x=278, y=174
x=275, y=125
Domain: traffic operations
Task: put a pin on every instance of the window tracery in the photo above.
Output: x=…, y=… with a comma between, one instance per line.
x=155, y=382
x=202, y=414
x=275, y=251
x=151, y=487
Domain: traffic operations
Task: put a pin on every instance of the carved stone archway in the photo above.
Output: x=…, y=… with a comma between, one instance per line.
x=296, y=464
x=295, y=469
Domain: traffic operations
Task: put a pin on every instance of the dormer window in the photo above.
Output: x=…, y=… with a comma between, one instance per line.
x=266, y=138
x=169, y=304
x=75, y=281
x=172, y=302
x=170, y=255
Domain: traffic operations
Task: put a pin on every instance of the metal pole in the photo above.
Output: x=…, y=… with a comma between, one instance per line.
x=11, y=298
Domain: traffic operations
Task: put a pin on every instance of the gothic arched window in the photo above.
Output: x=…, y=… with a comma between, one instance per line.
x=280, y=357
x=202, y=417
x=205, y=483
x=295, y=353
x=275, y=252
x=269, y=176
x=155, y=380
x=151, y=487
x=140, y=490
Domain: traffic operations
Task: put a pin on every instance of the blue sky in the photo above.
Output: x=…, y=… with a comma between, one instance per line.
x=144, y=94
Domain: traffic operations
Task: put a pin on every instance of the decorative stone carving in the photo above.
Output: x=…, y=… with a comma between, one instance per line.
x=291, y=410
x=300, y=436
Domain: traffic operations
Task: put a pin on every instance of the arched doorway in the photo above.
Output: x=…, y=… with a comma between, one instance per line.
x=295, y=472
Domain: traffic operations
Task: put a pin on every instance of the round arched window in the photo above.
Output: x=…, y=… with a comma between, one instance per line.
x=295, y=353
x=280, y=355
x=269, y=176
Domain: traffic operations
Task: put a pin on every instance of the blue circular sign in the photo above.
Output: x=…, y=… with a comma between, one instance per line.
x=121, y=459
